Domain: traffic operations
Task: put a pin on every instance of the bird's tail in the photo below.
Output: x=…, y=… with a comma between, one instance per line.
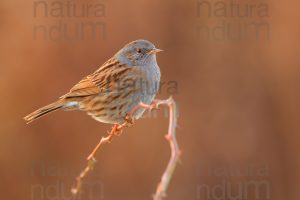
x=44, y=110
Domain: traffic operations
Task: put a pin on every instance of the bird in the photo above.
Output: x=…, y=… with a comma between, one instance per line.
x=130, y=77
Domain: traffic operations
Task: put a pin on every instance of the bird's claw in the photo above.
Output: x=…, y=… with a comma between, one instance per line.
x=129, y=121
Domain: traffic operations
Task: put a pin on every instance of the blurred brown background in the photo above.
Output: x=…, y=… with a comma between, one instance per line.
x=238, y=99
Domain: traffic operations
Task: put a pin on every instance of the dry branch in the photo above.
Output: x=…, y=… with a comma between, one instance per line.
x=117, y=129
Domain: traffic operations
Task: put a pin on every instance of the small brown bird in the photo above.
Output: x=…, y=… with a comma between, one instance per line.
x=130, y=77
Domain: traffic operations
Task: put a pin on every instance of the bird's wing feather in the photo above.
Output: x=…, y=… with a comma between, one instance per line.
x=105, y=80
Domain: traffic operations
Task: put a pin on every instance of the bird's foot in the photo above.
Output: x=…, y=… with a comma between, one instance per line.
x=116, y=130
x=129, y=121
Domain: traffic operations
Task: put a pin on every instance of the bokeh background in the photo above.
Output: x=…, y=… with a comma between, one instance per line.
x=238, y=99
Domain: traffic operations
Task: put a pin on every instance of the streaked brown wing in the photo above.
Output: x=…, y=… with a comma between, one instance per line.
x=104, y=80
x=85, y=87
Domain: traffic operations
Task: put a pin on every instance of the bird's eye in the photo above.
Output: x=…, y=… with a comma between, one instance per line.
x=139, y=50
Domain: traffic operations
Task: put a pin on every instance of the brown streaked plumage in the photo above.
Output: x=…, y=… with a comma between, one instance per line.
x=106, y=94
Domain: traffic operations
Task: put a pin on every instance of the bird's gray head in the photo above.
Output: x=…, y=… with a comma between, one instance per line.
x=138, y=53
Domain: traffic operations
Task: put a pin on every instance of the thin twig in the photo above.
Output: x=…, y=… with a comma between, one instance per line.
x=117, y=129
x=175, y=151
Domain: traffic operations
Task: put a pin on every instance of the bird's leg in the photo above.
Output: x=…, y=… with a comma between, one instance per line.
x=129, y=120
x=116, y=130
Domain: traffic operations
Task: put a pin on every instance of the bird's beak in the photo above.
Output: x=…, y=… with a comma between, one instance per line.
x=154, y=51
